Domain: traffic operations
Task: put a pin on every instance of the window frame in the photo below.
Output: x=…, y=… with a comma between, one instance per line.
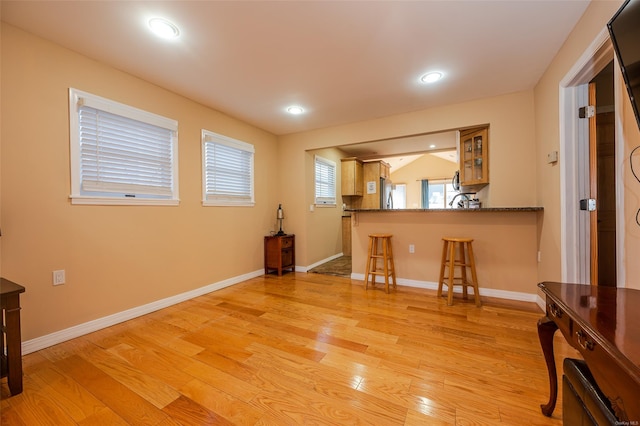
x=397, y=190
x=445, y=196
x=211, y=200
x=77, y=99
x=324, y=201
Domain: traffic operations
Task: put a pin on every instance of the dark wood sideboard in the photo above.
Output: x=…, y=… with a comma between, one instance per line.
x=603, y=324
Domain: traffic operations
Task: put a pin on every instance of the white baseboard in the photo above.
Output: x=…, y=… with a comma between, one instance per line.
x=489, y=292
x=541, y=303
x=320, y=262
x=38, y=343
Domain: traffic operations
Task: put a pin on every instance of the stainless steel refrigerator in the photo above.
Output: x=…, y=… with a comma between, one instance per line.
x=386, y=194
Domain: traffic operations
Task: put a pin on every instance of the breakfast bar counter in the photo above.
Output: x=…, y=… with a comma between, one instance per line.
x=505, y=243
x=462, y=210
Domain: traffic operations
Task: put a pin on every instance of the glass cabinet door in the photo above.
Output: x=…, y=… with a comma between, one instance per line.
x=473, y=156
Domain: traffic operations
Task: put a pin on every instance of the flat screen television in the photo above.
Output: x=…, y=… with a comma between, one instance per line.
x=624, y=29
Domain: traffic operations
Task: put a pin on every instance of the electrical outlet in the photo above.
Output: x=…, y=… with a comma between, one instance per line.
x=412, y=248
x=58, y=277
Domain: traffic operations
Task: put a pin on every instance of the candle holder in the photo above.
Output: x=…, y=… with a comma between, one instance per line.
x=280, y=217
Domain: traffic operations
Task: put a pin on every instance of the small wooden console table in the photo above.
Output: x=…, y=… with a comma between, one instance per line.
x=11, y=356
x=603, y=324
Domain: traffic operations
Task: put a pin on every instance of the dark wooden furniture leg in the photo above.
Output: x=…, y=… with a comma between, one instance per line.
x=546, y=330
x=14, y=355
x=12, y=362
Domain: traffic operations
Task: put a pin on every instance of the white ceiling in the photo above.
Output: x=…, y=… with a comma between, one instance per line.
x=343, y=61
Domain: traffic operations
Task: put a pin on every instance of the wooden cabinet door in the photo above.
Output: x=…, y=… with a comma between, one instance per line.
x=352, y=177
x=474, y=157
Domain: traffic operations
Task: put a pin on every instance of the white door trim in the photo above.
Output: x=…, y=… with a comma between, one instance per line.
x=573, y=237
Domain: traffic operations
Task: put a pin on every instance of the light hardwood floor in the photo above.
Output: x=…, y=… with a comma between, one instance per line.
x=295, y=350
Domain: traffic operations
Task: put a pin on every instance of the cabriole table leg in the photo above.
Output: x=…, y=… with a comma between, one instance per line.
x=546, y=330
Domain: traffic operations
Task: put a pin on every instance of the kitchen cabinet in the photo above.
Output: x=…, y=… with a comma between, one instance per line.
x=352, y=177
x=474, y=157
x=346, y=235
x=279, y=253
x=374, y=171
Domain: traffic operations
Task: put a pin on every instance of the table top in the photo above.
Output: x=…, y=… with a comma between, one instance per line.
x=8, y=288
x=613, y=313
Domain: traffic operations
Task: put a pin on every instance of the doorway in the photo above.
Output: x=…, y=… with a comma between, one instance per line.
x=602, y=172
x=574, y=172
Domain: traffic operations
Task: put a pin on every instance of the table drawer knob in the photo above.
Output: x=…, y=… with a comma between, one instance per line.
x=584, y=341
x=555, y=311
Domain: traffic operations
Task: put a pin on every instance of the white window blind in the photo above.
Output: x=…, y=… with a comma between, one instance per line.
x=227, y=171
x=325, y=181
x=119, y=152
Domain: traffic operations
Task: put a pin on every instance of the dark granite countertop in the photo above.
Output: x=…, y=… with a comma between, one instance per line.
x=478, y=210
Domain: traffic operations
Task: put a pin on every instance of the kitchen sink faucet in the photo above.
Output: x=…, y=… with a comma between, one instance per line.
x=465, y=201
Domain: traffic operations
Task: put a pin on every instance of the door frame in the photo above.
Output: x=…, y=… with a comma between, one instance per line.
x=575, y=236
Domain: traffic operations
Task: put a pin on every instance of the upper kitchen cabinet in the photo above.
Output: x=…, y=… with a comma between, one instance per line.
x=352, y=177
x=474, y=157
x=376, y=169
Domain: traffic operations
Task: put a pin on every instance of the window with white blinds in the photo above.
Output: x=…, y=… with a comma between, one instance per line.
x=325, y=181
x=120, y=154
x=227, y=167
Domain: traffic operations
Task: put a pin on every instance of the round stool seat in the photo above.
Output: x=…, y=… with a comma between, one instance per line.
x=458, y=240
x=463, y=260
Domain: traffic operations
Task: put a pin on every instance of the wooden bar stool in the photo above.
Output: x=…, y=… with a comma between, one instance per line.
x=463, y=261
x=380, y=248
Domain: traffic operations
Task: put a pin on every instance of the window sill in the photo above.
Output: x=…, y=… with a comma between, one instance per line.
x=109, y=201
x=228, y=204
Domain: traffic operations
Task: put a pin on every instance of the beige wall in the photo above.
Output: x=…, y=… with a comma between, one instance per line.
x=631, y=136
x=504, y=245
x=426, y=167
x=323, y=228
x=511, y=148
x=115, y=257
x=547, y=139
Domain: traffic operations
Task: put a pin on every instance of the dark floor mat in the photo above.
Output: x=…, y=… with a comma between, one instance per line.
x=340, y=267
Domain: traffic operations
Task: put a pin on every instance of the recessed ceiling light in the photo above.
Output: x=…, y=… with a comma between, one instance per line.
x=432, y=146
x=431, y=77
x=163, y=28
x=295, y=110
